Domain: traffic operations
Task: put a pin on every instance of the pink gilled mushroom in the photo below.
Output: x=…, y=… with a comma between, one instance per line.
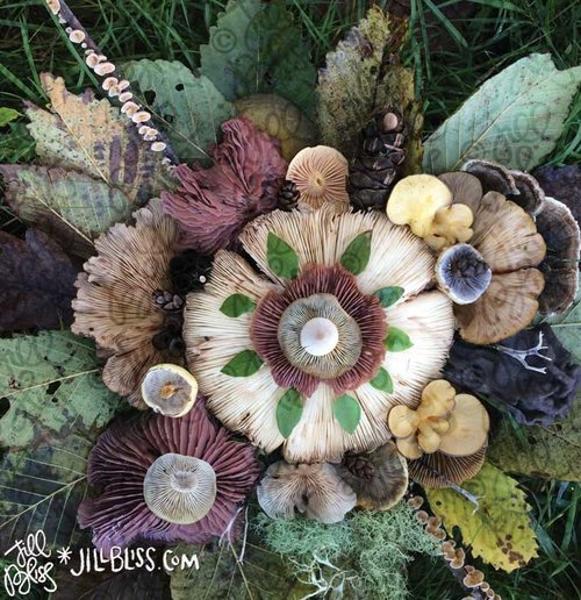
x=167, y=479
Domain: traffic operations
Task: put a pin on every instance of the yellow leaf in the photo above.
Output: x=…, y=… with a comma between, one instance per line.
x=499, y=530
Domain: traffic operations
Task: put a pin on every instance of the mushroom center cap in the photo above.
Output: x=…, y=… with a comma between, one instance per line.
x=319, y=336
x=317, y=183
x=184, y=481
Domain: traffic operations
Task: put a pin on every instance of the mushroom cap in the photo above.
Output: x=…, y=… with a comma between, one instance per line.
x=437, y=399
x=469, y=425
x=508, y=306
x=466, y=188
x=179, y=489
x=428, y=440
x=439, y=470
x=531, y=197
x=450, y=225
x=409, y=447
x=561, y=233
x=402, y=421
x=462, y=273
x=319, y=336
x=320, y=174
x=382, y=480
x=492, y=176
x=315, y=490
x=169, y=389
x=415, y=200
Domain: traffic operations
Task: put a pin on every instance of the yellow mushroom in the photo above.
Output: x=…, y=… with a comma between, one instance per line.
x=469, y=425
x=408, y=447
x=403, y=421
x=450, y=226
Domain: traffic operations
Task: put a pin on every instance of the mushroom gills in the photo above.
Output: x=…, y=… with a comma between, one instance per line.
x=180, y=489
x=463, y=274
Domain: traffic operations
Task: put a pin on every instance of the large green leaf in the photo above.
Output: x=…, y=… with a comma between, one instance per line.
x=191, y=109
x=499, y=529
x=92, y=137
x=551, y=452
x=41, y=489
x=255, y=47
x=53, y=386
x=515, y=118
x=362, y=76
x=71, y=207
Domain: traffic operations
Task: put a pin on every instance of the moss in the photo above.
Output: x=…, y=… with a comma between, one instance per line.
x=365, y=556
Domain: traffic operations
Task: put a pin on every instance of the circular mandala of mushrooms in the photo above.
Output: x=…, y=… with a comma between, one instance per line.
x=167, y=479
x=340, y=324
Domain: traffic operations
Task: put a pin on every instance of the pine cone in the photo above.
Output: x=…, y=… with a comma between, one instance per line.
x=375, y=167
x=288, y=195
x=359, y=466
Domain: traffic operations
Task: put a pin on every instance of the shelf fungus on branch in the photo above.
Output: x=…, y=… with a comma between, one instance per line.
x=320, y=174
x=316, y=490
x=379, y=478
x=451, y=423
x=169, y=389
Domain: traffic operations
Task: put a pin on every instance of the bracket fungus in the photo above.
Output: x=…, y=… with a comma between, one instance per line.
x=462, y=273
x=169, y=389
x=179, y=489
x=320, y=174
x=454, y=424
x=316, y=490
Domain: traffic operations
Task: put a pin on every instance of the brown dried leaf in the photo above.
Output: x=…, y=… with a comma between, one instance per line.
x=37, y=283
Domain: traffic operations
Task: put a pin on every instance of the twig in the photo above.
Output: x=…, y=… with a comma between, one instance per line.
x=522, y=355
x=113, y=82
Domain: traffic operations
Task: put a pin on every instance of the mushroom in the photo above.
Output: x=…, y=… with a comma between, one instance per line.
x=403, y=421
x=492, y=176
x=469, y=425
x=179, y=489
x=466, y=188
x=379, y=478
x=169, y=389
x=320, y=174
x=451, y=224
x=560, y=267
x=463, y=274
x=415, y=200
x=473, y=579
x=531, y=196
x=315, y=490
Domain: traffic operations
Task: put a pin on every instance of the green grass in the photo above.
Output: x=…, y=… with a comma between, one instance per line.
x=451, y=58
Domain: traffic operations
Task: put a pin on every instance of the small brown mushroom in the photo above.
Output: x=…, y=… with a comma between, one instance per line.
x=459, y=559
x=379, y=478
x=179, y=489
x=473, y=579
x=169, y=389
x=315, y=490
x=320, y=174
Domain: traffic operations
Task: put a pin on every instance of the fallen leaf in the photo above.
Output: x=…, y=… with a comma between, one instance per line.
x=92, y=137
x=53, y=387
x=37, y=283
x=499, y=529
x=515, y=118
x=191, y=108
x=7, y=115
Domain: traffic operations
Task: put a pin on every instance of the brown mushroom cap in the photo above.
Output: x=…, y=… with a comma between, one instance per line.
x=466, y=188
x=320, y=174
x=440, y=470
x=169, y=389
x=469, y=425
x=179, y=489
x=531, y=197
x=379, y=478
x=508, y=306
x=492, y=176
x=315, y=490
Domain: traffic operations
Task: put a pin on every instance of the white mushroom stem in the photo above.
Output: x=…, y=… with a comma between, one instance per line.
x=319, y=336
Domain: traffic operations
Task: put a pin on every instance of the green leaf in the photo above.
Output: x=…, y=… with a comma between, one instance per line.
x=71, y=207
x=288, y=411
x=347, y=411
x=92, y=137
x=568, y=329
x=7, y=115
x=515, y=118
x=501, y=518
x=53, y=385
x=237, y=304
x=356, y=255
x=255, y=47
x=360, y=78
x=190, y=108
x=389, y=295
x=282, y=259
x=45, y=486
x=244, y=364
x=397, y=340
x=382, y=381
x=552, y=452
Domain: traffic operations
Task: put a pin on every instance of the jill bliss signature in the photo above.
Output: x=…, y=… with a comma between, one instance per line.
x=33, y=566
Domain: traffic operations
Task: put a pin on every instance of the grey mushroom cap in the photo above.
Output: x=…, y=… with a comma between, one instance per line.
x=169, y=389
x=463, y=274
x=316, y=490
x=466, y=188
x=531, y=196
x=180, y=489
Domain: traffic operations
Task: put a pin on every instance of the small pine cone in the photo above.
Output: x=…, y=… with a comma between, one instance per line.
x=376, y=166
x=359, y=466
x=288, y=195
